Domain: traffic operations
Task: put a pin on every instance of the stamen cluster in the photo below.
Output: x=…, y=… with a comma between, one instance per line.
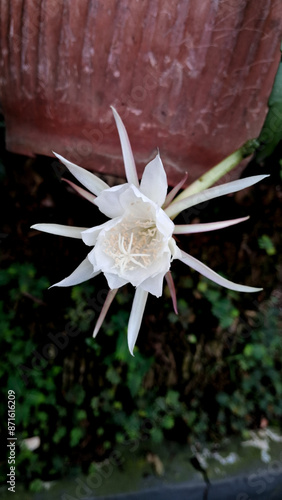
x=132, y=243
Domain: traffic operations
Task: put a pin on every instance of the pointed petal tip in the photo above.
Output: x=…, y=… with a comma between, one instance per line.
x=253, y=289
x=131, y=349
x=89, y=180
x=83, y=272
x=175, y=310
x=95, y=332
x=60, y=229
x=186, y=201
x=115, y=113
x=256, y=178
x=128, y=159
x=171, y=286
x=213, y=276
x=154, y=181
x=110, y=296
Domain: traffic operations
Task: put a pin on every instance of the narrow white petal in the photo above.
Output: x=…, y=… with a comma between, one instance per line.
x=154, y=181
x=85, y=194
x=135, y=318
x=105, y=308
x=129, y=163
x=82, y=273
x=71, y=231
x=230, y=187
x=210, y=226
x=210, y=274
x=89, y=180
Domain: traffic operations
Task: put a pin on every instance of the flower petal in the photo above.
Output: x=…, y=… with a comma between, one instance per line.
x=129, y=163
x=85, y=194
x=70, y=231
x=171, y=195
x=109, y=202
x=171, y=286
x=210, y=274
x=89, y=180
x=230, y=187
x=82, y=273
x=154, y=181
x=164, y=223
x=135, y=318
x=89, y=236
x=154, y=284
x=115, y=281
x=210, y=226
x=105, y=308
x=174, y=250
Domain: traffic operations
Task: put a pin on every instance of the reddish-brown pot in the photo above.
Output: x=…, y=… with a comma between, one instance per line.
x=189, y=77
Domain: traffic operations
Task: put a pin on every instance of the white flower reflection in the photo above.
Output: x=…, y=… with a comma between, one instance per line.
x=137, y=244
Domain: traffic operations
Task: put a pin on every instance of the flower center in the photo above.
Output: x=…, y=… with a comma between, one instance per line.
x=133, y=243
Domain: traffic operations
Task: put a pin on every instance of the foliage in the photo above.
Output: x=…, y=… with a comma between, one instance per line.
x=93, y=395
x=266, y=243
x=255, y=385
x=32, y=373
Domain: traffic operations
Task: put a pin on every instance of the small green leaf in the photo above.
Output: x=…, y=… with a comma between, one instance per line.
x=265, y=242
x=168, y=422
x=75, y=436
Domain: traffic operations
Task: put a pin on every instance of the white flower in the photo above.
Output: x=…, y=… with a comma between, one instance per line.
x=137, y=244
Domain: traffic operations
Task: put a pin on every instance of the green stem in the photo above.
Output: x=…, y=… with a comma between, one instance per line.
x=215, y=173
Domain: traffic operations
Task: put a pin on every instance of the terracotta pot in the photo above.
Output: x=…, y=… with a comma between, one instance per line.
x=191, y=78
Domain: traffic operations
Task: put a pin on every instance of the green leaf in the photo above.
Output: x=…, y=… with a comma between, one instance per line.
x=265, y=242
x=59, y=434
x=112, y=375
x=36, y=485
x=157, y=435
x=75, y=436
x=271, y=132
x=167, y=422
